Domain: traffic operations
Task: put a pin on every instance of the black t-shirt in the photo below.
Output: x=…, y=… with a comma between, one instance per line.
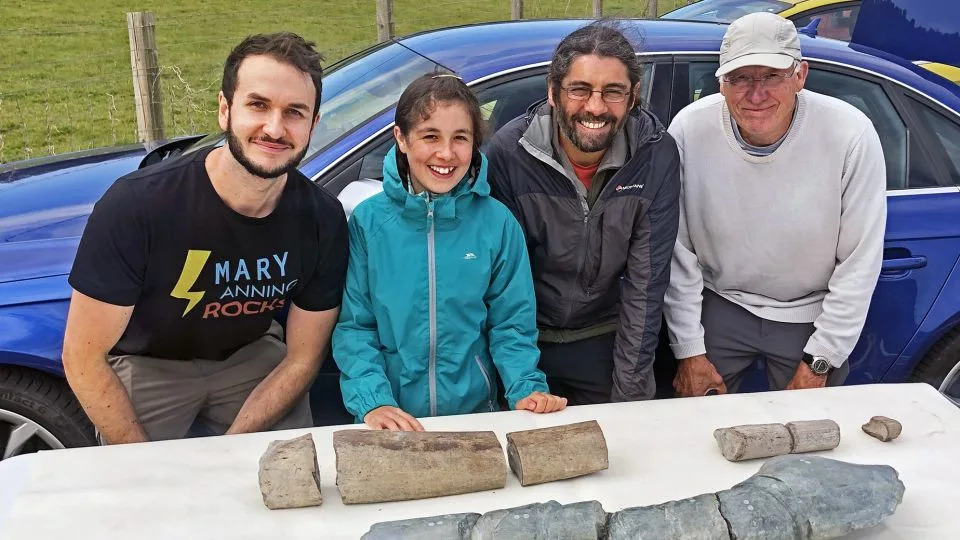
x=205, y=280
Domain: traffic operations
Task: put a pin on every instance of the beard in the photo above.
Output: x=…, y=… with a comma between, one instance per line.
x=589, y=143
x=236, y=148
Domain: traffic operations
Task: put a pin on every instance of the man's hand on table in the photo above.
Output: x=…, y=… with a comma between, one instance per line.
x=806, y=378
x=695, y=376
x=392, y=418
x=541, y=402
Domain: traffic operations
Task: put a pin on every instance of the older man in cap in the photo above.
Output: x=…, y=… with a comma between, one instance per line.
x=782, y=214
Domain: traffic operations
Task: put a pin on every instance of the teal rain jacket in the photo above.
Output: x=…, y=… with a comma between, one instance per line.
x=438, y=293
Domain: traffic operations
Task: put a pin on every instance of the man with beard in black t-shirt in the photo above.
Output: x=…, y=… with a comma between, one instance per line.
x=184, y=265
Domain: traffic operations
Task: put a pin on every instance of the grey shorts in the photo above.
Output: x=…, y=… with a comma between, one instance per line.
x=171, y=396
x=735, y=338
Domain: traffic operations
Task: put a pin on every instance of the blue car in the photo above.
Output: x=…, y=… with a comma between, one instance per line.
x=912, y=331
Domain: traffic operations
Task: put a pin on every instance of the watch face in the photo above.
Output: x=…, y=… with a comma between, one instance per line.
x=820, y=366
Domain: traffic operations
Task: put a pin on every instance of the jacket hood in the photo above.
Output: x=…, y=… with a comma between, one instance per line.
x=445, y=207
x=642, y=126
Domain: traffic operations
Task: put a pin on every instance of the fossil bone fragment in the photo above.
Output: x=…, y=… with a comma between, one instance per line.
x=380, y=466
x=739, y=443
x=883, y=428
x=289, y=475
x=556, y=453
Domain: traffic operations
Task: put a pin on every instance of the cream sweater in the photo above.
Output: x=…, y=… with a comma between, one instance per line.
x=796, y=236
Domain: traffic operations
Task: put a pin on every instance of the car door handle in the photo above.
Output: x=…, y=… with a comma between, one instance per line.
x=891, y=266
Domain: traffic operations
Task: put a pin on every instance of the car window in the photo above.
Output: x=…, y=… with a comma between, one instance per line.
x=835, y=23
x=870, y=98
x=504, y=102
x=499, y=103
x=702, y=81
x=359, y=90
x=946, y=137
x=865, y=95
x=725, y=10
x=354, y=91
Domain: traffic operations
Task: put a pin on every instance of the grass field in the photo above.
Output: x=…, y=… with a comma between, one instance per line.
x=65, y=77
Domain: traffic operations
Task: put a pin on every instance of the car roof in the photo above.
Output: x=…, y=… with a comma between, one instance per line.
x=479, y=50
x=810, y=4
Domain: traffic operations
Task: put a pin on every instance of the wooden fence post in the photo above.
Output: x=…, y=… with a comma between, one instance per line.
x=146, y=75
x=516, y=9
x=597, y=9
x=651, y=9
x=384, y=20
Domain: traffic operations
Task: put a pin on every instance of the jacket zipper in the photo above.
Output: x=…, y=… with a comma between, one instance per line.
x=587, y=285
x=655, y=137
x=431, y=262
x=486, y=378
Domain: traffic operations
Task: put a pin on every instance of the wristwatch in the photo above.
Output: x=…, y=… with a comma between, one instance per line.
x=818, y=364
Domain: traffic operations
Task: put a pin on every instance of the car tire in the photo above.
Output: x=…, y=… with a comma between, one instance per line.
x=942, y=361
x=44, y=409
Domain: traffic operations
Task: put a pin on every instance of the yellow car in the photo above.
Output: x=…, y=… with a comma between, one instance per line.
x=837, y=19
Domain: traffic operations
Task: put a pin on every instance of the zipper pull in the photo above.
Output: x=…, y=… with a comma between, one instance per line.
x=430, y=210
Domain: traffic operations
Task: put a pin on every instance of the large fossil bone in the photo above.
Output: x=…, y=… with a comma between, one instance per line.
x=380, y=466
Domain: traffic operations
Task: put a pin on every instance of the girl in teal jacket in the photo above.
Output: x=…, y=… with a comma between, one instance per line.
x=439, y=291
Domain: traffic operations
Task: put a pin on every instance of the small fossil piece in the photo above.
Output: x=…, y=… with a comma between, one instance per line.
x=751, y=441
x=289, y=475
x=883, y=428
x=814, y=435
x=557, y=453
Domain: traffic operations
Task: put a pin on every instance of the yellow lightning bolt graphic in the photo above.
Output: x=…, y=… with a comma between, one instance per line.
x=188, y=276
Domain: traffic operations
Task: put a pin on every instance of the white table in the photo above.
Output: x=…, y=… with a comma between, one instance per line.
x=659, y=451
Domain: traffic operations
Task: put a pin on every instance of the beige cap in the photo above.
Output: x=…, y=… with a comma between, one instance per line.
x=759, y=39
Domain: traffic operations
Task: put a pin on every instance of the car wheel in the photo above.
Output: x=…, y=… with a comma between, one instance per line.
x=940, y=368
x=38, y=412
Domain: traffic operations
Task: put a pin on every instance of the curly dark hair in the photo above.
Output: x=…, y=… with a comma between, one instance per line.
x=601, y=38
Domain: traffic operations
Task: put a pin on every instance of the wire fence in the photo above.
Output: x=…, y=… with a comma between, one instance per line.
x=67, y=86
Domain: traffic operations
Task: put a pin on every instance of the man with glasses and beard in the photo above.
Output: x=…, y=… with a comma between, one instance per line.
x=593, y=178
x=781, y=224
x=183, y=267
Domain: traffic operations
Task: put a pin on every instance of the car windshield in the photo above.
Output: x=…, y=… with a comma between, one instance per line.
x=354, y=90
x=724, y=10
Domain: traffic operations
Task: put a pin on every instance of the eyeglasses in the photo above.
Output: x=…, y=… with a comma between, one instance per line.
x=583, y=93
x=742, y=83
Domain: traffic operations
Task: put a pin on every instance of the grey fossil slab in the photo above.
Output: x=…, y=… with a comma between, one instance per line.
x=577, y=521
x=835, y=497
x=697, y=518
x=445, y=527
x=792, y=497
